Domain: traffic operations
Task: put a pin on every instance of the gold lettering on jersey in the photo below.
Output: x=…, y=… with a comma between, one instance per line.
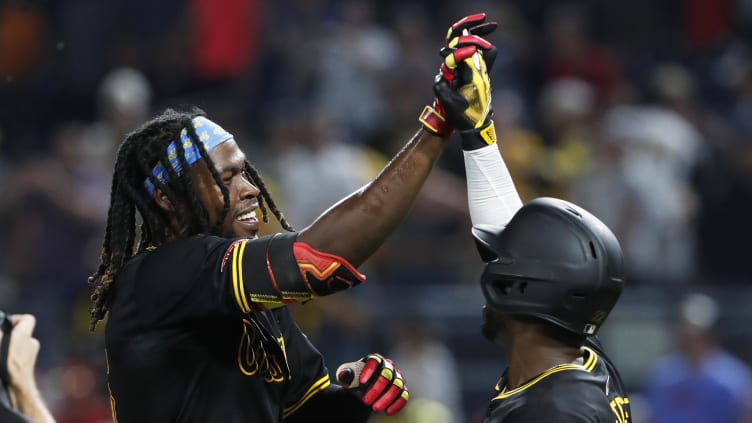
x=275, y=374
x=281, y=342
x=253, y=359
x=617, y=406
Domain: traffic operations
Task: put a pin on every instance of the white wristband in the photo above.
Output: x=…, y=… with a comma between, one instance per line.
x=491, y=194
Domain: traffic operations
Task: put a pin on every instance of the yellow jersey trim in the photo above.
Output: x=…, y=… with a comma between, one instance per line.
x=317, y=387
x=243, y=296
x=588, y=366
x=112, y=405
x=237, y=278
x=591, y=361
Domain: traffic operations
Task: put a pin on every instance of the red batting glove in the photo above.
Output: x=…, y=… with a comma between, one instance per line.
x=378, y=380
x=474, y=24
x=462, y=41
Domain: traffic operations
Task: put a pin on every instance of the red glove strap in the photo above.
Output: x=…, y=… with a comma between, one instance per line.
x=433, y=120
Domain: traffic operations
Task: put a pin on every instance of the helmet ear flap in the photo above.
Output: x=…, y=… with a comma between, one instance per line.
x=485, y=237
x=486, y=254
x=499, y=290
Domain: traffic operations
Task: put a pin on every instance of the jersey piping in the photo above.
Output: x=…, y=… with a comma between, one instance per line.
x=588, y=366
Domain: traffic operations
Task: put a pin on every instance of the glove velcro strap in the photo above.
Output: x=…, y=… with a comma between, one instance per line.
x=435, y=123
x=473, y=139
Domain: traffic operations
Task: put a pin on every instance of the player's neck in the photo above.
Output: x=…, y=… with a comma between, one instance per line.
x=530, y=355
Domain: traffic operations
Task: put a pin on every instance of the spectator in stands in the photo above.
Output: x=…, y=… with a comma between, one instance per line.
x=700, y=382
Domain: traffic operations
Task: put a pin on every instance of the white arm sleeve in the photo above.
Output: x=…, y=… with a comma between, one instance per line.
x=491, y=194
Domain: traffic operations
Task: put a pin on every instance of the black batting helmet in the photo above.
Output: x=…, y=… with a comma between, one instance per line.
x=554, y=261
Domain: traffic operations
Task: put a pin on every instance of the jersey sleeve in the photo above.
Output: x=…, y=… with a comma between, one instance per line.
x=308, y=373
x=276, y=270
x=206, y=275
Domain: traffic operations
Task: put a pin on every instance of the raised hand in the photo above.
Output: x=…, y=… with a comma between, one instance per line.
x=474, y=24
x=464, y=88
x=460, y=68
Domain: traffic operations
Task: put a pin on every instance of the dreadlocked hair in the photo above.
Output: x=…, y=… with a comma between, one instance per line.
x=255, y=178
x=136, y=158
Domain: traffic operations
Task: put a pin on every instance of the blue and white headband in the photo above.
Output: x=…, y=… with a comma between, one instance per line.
x=209, y=133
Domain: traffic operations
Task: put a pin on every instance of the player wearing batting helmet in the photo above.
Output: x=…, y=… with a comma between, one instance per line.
x=553, y=273
x=551, y=278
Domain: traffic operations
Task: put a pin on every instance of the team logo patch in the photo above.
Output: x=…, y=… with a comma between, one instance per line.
x=228, y=252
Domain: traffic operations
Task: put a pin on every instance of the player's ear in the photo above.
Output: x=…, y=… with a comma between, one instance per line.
x=163, y=201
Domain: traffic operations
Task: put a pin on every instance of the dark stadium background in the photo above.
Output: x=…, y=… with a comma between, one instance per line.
x=640, y=111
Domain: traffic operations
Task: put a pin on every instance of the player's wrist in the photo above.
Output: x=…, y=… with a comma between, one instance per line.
x=475, y=138
x=23, y=395
x=433, y=118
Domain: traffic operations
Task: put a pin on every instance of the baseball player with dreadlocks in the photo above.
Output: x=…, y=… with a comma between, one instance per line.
x=198, y=328
x=553, y=273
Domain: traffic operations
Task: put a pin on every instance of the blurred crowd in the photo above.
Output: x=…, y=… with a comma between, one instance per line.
x=639, y=111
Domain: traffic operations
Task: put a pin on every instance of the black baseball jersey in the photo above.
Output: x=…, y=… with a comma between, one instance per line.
x=192, y=335
x=569, y=393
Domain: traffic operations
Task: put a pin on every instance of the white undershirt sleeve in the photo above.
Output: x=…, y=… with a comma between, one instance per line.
x=491, y=194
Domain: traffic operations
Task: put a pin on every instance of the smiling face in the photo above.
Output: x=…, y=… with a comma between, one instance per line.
x=229, y=160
